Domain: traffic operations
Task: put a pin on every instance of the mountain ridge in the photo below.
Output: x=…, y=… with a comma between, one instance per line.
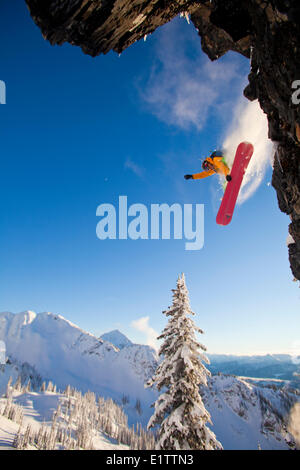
x=43, y=346
x=115, y=343
x=65, y=353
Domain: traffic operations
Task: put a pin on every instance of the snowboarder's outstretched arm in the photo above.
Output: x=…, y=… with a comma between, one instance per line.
x=198, y=176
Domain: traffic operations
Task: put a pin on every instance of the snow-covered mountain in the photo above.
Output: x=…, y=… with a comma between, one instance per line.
x=64, y=353
x=117, y=338
x=248, y=416
x=245, y=414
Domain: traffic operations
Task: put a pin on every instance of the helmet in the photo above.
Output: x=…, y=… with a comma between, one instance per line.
x=217, y=153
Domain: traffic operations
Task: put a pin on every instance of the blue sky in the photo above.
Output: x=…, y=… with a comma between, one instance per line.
x=77, y=132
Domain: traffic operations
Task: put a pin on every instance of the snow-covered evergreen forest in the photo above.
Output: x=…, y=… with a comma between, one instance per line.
x=68, y=420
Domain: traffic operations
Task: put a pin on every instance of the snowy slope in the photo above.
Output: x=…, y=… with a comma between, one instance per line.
x=62, y=352
x=246, y=416
x=38, y=409
x=8, y=430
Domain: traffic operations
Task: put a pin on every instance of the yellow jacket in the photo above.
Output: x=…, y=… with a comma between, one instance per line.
x=215, y=165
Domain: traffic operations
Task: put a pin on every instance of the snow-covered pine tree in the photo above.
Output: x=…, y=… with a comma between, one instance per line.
x=9, y=388
x=18, y=384
x=179, y=410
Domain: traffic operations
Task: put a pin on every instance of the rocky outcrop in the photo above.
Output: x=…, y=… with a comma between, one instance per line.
x=267, y=32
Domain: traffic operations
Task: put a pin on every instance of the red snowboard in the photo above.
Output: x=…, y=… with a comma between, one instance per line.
x=241, y=160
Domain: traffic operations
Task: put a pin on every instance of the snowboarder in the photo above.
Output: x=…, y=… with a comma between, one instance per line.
x=215, y=163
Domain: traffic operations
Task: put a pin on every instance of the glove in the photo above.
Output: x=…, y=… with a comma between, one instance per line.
x=188, y=177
